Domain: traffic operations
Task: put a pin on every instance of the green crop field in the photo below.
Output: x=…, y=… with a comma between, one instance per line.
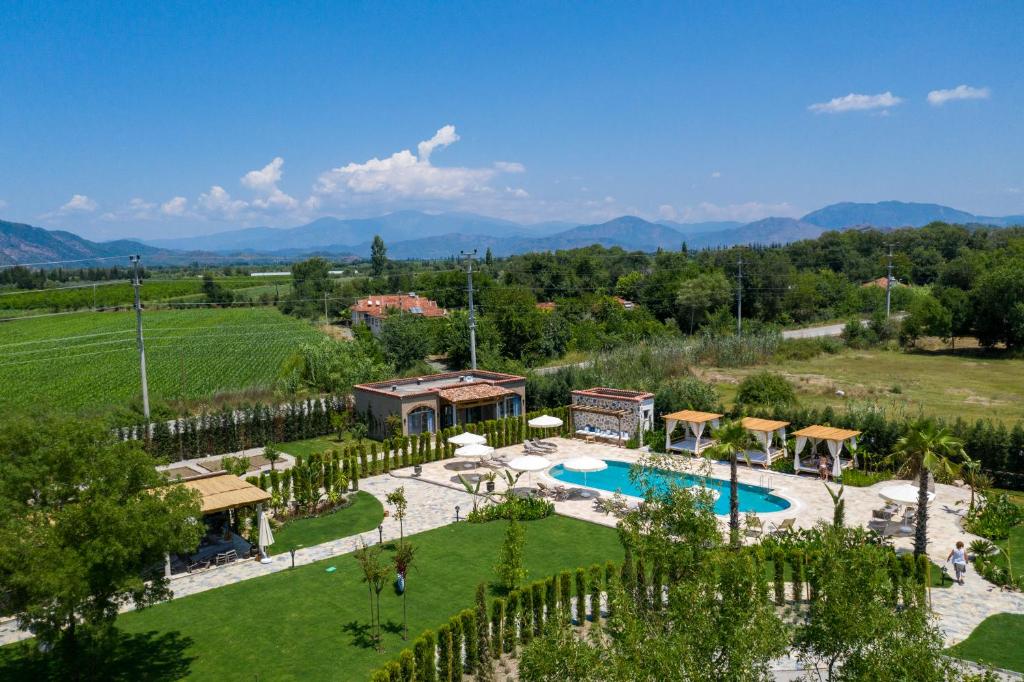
x=89, y=362
x=82, y=295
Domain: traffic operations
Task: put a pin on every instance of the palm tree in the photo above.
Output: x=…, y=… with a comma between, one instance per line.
x=973, y=477
x=926, y=448
x=732, y=439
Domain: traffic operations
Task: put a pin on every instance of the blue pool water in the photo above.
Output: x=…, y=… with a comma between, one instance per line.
x=753, y=498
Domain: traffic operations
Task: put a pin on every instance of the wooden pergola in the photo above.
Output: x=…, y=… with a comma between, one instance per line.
x=695, y=422
x=618, y=414
x=765, y=430
x=834, y=438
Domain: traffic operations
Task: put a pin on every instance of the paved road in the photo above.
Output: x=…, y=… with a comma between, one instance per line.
x=816, y=332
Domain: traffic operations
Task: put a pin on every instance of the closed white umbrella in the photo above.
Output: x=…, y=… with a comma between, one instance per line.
x=476, y=450
x=266, y=537
x=467, y=438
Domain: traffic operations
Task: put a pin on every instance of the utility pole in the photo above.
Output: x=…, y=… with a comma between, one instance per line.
x=739, y=296
x=472, y=313
x=136, y=283
x=888, y=285
x=327, y=320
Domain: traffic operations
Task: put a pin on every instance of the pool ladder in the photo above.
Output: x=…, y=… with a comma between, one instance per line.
x=765, y=481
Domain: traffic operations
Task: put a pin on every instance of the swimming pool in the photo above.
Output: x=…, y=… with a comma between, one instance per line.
x=753, y=498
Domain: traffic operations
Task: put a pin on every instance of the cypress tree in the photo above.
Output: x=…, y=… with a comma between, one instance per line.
x=565, y=595
x=581, y=596
x=469, y=637
x=509, y=633
x=428, y=660
x=445, y=648
x=551, y=598
x=497, y=624
x=526, y=616
x=455, y=628
x=407, y=662
x=779, y=576
x=595, y=592
x=537, y=592
x=797, y=567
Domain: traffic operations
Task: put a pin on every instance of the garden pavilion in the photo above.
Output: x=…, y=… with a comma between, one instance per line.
x=766, y=431
x=834, y=438
x=221, y=495
x=695, y=423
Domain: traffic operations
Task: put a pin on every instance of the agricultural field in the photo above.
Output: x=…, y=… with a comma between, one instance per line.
x=85, y=295
x=971, y=384
x=88, y=361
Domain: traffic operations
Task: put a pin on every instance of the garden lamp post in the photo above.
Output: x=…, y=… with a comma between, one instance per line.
x=292, y=550
x=380, y=533
x=456, y=513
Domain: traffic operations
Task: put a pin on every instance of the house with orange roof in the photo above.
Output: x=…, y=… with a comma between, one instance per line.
x=373, y=310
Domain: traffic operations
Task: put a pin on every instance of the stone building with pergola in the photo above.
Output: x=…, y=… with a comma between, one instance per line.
x=611, y=413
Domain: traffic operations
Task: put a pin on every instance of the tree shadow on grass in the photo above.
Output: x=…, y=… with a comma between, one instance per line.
x=362, y=634
x=117, y=656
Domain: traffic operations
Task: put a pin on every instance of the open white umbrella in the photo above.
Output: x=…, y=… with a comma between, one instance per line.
x=476, y=450
x=529, y=463
x=467, y=438
x=266, y=537
x=545, y=421
x=585, y=465
x=904, y=494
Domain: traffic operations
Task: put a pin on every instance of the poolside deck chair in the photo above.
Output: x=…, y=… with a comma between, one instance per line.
x=753, y=527
x=787, y=526
x=544, y=491
x=540, y=445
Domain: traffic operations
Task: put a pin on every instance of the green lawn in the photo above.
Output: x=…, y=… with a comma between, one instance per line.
x=365, y=514
x=311, y=446
x=997, y=641
x=1014, y=546
x=307, y=624
x=984, y=387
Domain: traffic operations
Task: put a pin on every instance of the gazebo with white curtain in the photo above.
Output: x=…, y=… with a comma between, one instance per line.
x=834, y=438
x=696, y=423
x=767, y=432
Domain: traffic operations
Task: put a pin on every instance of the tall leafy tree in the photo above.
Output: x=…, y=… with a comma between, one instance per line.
x=406, y=338
x=927, y=449
x=378, y=256
x=85, y=523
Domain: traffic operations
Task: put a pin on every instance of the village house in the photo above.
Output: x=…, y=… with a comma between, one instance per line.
x=427, y=403
x=373, y=310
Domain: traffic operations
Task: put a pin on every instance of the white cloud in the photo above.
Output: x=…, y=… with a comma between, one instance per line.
x=716, y=174
x=518, y=192
x=264, y=181
x=744, y=213
x=855, y=102
x=403, y=175
x=510, y=166
x=939, y=97
x=445, y=136
x=175, y=206
x=667, y=212
x=217, y=203
x=79, y=203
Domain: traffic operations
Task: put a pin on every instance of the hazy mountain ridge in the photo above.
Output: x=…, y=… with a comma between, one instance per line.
x=413, y=234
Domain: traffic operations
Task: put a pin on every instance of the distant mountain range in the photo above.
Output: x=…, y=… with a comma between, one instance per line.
x=413, y=234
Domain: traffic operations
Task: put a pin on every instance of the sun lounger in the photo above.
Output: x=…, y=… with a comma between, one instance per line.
x=785, y=527
x=753, y=526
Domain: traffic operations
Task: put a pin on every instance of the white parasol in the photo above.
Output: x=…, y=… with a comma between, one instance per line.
x=529, y=463
x=585, y=465
x=467, y=438
x=476, y=450
x=904, y=494
x=545, y=422
x=266, y=537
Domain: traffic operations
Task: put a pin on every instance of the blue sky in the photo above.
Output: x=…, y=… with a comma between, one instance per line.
x=164, y=119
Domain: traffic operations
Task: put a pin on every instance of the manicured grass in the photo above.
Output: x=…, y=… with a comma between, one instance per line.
x=970, y=385
x=305, y=448
x=307, y=624
x=1014, y=546
x=365, y=514
x=996, y=641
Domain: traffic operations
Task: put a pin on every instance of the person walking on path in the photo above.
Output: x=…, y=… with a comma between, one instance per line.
x=959, y=557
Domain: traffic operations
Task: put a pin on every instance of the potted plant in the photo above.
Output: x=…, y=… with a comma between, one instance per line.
x=417, y=469
x=489, y=478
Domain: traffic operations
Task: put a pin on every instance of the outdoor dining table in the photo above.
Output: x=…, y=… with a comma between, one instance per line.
x=906, y=496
